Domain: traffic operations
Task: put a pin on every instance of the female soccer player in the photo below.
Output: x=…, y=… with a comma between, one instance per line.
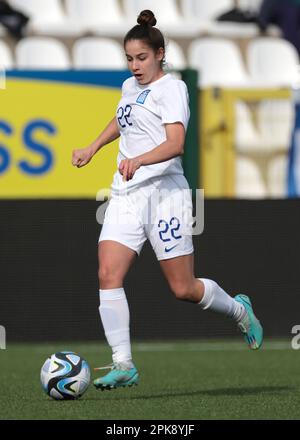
x=151, y=121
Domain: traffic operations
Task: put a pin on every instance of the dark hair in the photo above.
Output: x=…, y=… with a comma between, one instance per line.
x=145, y=31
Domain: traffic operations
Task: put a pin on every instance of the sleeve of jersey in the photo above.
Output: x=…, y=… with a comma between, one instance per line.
x=174, y=104
x=126, y=85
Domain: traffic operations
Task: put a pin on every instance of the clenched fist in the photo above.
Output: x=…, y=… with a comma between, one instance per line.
x=128, y=167
x=82, y=157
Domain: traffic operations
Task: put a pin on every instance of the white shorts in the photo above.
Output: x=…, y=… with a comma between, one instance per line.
x=160, y=209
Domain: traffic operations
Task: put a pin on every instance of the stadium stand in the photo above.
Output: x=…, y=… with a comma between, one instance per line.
x=218, y=61
x=101, y=17
x=272, y=62
x=275, y=122
x=277, y=176
x=175, y=57
x=88, y=34
x=48, y=17
x=6, y=58
x=41, y=53
x=247, y=137
x=249, y=182
x=105, y=53
x=98, y=53
x=171, y=21
x=206, y=13
x=249, y=5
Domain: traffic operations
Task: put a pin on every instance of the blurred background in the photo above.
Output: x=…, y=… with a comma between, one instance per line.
x=65, y=65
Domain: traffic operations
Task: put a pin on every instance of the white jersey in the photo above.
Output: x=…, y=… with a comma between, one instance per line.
x=141, y=114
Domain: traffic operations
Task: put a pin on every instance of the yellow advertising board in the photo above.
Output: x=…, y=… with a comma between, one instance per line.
x=43, y=117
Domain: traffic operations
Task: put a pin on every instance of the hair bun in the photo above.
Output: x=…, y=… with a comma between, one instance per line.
x=147, y=18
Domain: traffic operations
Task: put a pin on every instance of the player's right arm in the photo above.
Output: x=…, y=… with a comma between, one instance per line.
x=82, y=156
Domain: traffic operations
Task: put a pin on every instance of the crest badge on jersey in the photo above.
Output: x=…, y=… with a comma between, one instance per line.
x=143, y=96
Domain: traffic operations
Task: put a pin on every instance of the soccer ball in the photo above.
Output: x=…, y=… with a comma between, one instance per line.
x=65, y=376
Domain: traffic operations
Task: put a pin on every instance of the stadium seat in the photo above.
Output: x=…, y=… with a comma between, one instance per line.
x=273, y=62
x=275, y=124
x=249, y=5
x=249, y=182
x=41, y=53
x=247, y=138
x=277, y=176
x=205, y=10
x=273, y=128
x=98, y=53
x=205, y=13
x=47, y=17
x=6, y=59
x=219, y=63
x=169, y=18
x=102, y=17
x=174, y=56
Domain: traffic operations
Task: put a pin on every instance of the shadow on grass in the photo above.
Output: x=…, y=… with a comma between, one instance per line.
x=245, y=391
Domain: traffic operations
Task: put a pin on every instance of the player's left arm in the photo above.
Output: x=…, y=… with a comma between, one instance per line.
x=173, y=146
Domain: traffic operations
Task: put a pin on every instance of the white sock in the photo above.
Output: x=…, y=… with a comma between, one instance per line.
x=216, y=299
x=114, y=313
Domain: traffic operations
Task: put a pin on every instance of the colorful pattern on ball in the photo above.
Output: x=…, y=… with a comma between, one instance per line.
x=65, y=376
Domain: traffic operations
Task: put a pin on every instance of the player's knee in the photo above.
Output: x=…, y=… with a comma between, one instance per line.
x=108, y=276
x=181, y=290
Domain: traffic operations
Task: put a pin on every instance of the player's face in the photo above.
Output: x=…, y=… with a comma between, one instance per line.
x=143, y=62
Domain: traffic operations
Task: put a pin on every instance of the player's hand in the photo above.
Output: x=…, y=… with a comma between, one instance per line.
x=128, y=167
x=82, y=156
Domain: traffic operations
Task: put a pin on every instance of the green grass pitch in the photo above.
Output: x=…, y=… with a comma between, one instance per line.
x=184, y=380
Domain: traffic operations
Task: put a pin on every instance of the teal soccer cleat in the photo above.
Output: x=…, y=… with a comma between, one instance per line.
x=250, y=325
x=119, y=376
